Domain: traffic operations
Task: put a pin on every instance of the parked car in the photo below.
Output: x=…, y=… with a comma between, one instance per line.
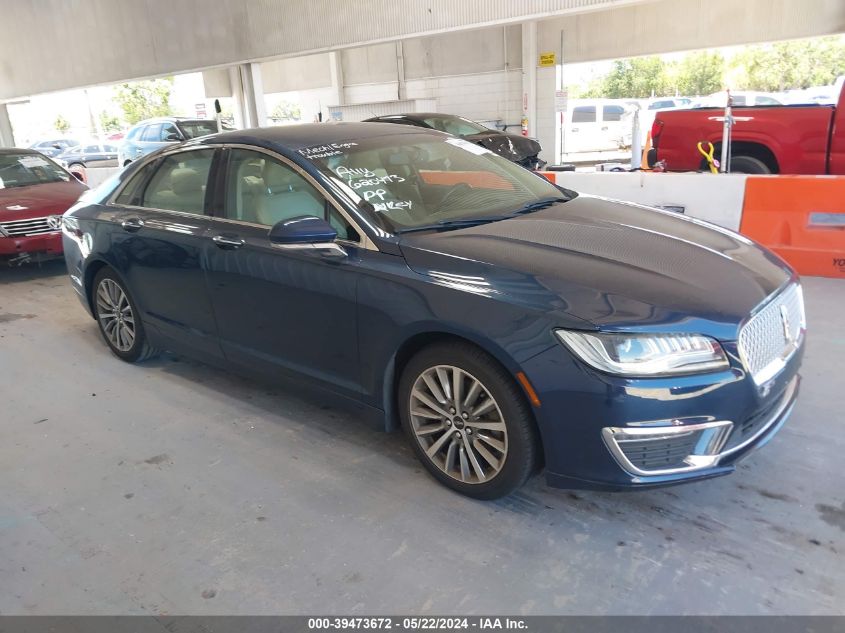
x=594, y=125
x=741, y=98
x=89, y=155
x=148, y=136
x=515, y=147
x=665, y=103
x=507, y=323
x=795, y=139
x=54, y=147
x=34, y=193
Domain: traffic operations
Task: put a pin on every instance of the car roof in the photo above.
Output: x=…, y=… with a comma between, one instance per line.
x=18, y=150
x=171, y=119
x=294, y=137
x=419, y=116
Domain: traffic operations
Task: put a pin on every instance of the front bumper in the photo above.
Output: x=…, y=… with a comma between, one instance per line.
x=46, y=243
x=610, y=433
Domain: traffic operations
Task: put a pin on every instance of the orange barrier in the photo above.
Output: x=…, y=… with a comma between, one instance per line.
x=474, y=179
x=801, y=218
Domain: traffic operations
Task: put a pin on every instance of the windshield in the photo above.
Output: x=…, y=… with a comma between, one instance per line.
x=23, y=170
x=411, y=181
x=193, y=129
x=456, y=125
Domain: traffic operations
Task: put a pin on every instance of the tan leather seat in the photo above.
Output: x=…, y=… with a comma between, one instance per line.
x=186, y=192
x=287, y=195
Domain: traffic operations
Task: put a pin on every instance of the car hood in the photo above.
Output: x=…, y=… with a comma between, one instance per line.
x=607, y=264
x=53, y=198
x=511, y=146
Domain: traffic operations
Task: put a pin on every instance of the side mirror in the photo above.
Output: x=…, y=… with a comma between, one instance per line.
x=56, y=146
x=172, y=137
x=305, y=229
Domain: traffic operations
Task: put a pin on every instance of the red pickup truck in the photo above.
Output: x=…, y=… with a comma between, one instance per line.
x=791, y=139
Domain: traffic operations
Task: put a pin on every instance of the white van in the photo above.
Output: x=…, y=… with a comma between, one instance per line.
x=594, y=125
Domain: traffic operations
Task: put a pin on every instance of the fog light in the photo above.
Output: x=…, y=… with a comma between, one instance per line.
x=667, y=447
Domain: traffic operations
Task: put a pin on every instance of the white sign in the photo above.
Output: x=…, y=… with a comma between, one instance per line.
x=472, y=148
x=561, y=100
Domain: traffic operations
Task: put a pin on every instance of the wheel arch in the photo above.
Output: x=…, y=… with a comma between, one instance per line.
x=747, y=148
x=91, y=269
x=420, y=340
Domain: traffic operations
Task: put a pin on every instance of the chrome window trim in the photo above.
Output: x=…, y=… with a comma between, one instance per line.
x=144, y=161
x=365, y=243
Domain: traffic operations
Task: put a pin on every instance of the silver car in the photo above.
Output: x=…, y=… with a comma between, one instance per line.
x=148, y=136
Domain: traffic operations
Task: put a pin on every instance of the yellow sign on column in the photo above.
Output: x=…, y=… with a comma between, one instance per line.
x=547, y=59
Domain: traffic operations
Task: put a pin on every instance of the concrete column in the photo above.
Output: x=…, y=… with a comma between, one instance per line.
x=248, y=92
x=237, y=96
x=7, y=137
x=336, y=68
x=529, y=75
x=400, y=72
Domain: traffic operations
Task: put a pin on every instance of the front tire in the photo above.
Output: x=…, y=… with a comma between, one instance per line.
x=119, y=319
x=467, y=421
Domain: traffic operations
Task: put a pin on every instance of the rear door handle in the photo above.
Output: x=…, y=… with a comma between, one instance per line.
x=132, y=224
x=228, y=242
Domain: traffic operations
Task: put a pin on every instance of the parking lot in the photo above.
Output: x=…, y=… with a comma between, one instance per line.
x=172, y=487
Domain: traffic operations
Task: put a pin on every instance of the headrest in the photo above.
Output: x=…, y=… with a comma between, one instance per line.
x=184, y=181
x=278, y=177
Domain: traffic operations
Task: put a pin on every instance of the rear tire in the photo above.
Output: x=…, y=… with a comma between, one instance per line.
x=748, y=165
x=119, y=319
x=487, y=446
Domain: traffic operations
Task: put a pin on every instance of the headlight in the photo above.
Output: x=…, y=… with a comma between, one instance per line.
x=644, y=355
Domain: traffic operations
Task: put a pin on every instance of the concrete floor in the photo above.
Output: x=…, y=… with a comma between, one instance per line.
x=175, y=488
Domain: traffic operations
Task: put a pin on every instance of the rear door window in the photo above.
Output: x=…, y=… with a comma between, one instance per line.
x=584, y=114
x=134, y=188
x=612, y=113
x=152, y=133
x=179, y=183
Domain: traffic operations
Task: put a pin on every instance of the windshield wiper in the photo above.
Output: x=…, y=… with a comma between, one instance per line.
x=454, y=224
x=536, y=206
x=466, y=222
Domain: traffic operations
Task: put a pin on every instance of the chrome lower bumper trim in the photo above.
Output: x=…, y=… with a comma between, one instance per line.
x=708, y=448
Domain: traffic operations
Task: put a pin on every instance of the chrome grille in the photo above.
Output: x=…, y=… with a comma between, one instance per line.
x=772, y=335
x=32, y=226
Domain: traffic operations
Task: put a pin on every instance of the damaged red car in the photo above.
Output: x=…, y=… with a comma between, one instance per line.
x=34, y=193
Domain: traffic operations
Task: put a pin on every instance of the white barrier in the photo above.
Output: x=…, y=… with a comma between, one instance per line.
x=717, y=198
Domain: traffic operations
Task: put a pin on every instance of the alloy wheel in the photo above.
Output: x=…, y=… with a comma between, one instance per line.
x=115, y=315
x=458, y=424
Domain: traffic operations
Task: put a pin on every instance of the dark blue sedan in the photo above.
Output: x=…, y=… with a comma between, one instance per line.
x=507, y=324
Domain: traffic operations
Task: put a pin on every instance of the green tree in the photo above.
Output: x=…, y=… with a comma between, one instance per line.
x=109, y=123
x=144, y=99
x=638, y=77
x=286, y=111
x=789, y=65
x=699, y=73
x=61, y=124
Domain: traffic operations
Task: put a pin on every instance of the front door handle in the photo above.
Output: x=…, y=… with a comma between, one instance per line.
x=228, y=242
x=132, y=224
x=575, y=129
